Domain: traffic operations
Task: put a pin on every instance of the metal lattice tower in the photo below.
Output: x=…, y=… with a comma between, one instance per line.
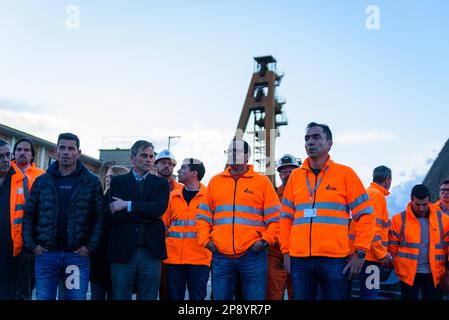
x=265, y=109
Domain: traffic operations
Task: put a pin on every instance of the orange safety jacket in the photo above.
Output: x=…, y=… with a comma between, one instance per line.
x=20, y=189
x=378, y=250
x=404, y=238
x=315, y=212
x=174, y=185
x=275, y=249
x=440, y=207
x=238, y=213
x=182, y=238
x=32, y=172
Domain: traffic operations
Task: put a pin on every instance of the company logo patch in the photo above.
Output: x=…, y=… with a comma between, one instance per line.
x=248, y=191
x=329, y=187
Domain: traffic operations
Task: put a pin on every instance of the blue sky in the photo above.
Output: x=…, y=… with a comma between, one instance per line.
x=153, y=69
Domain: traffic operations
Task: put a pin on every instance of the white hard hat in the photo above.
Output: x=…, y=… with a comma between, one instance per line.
x=288, y=160
x=165, y=154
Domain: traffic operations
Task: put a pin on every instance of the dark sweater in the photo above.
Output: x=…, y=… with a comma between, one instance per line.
x=65, y=186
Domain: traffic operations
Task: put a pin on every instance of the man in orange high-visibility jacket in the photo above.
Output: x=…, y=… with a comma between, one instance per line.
x=187, y=263
x=443, y=203
x=279, y=278
x=377, y=255
x=319, y=199
x=418, y=241
x=24, y=153
x=12, y=205
x=238, y=222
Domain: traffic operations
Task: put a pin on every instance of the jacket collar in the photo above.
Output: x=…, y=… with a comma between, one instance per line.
x=380, y=188
x=178, y=192
x=16, y=172
x=432, y=211
x=306, y=164
x=248, y=174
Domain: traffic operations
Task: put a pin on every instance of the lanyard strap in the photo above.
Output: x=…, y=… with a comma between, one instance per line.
x=309, y=187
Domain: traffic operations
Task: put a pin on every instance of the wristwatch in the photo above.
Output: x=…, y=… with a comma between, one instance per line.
x=361, y=254
x=265, y=244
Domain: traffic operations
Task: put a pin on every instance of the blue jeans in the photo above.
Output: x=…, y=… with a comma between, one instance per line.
x=252, y=268
x=193, y=276
x=327, y=273
x=49, y=267
x=142, y=267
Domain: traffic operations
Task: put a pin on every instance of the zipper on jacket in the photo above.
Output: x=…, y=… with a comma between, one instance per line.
x=233, y=216
x=311, y=219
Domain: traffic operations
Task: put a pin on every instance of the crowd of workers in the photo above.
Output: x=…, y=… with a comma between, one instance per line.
x=140, y=231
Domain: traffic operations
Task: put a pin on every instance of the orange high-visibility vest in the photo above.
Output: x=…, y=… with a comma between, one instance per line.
x=378, y=250
x=317, y=223
x=440, y=207
x=182, y=238
x=20, y=189
x=238, y=213
x=403, y=243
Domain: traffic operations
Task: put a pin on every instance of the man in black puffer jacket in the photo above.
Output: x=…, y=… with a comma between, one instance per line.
x=63, y=223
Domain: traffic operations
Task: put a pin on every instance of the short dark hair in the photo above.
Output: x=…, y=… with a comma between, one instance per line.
x=381, y=173
x=196, y=165
x=245, y=144
x=445, y=181
x=3, y=142
x=69, y=136
x=327, y=131
x=140, y=145
x=420, y=191
x=33, y=151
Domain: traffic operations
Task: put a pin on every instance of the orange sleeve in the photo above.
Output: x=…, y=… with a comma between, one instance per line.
x=287, y=214
x=361, y=211
x=271, y=210
x=378, y=247
x=394, y=235
x=204, y=219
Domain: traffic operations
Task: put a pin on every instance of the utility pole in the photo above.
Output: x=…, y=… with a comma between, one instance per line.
x=170, y=138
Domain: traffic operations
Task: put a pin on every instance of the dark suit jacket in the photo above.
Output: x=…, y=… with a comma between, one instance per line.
x=146, y=209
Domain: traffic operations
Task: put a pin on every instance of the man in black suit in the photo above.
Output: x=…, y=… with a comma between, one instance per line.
x=137, y=241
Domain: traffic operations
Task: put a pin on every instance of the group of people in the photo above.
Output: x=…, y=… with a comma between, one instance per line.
x=143, y=232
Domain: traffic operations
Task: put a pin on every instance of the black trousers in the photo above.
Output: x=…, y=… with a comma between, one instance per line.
x=423, y=282
x=8, y=275
x=25, y=276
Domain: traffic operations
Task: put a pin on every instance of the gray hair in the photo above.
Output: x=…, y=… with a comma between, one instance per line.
x=140, y=145
x=381, y=173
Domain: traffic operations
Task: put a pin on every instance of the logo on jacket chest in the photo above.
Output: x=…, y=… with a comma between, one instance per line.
x=329, y=187
x=247, y=190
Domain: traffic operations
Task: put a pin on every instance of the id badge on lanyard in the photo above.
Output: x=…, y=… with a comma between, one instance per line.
x=312, y=212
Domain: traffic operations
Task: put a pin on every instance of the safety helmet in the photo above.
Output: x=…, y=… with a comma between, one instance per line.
x=288, y=160
x=165, y=154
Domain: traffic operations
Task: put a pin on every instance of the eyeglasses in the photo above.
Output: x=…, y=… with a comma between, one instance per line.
x=6, y=155
x=444, y=190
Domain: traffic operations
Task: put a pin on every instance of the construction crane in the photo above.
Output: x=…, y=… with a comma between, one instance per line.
x=265, y=109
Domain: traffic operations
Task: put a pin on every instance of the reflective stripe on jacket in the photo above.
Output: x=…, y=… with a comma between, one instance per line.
x=182, y=237
x=376, y=194
x=339, y=196
x=403, y=243
x=237, y=213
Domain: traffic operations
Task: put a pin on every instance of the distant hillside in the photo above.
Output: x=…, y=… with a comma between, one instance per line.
x=438, y=172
